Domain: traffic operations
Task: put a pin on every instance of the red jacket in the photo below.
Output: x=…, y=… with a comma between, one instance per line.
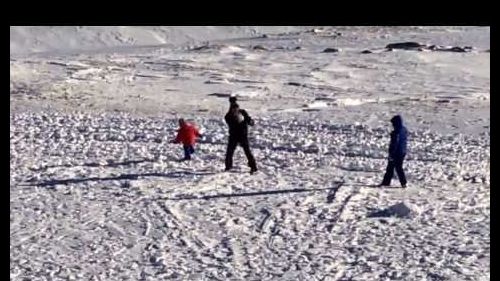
x=187, y=134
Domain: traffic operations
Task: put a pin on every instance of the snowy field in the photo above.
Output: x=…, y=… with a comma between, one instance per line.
x=98, y=193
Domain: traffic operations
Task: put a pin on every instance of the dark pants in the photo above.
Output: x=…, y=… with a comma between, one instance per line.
x=188, y=150
x=231, y=146
x=396, y=163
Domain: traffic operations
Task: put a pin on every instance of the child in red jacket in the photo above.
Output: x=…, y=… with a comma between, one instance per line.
x=186, y=135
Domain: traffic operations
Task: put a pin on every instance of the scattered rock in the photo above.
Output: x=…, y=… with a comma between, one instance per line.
x=294, y=84
x=443, y=101
x=414, y=46
x=316, y=30
x=465, y=49
x=399, y=210
x=331, y=50
x=433, y=47
x=220, y=95
x=260, y=47
x=367, y=52
x=201, y=48
x=404, y=45
x=288, y=48
x=217, y=81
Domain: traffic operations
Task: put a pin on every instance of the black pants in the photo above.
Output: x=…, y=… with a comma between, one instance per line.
x=396, y=163
x=231, y=146
x=188, y=150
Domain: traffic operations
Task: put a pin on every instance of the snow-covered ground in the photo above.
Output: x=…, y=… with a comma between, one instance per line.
x=97, y=192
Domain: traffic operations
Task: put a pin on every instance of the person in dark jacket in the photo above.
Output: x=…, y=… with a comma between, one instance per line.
x=397, y=152
x=238, y=120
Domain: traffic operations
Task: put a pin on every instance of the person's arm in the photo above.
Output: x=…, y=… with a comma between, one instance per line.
x=177, y=138
x=247, y=117
x=197, y=132
x=393, y=145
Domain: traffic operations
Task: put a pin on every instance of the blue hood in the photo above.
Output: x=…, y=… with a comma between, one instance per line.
x=397, y=122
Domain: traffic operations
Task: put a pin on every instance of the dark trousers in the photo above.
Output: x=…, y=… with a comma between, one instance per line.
x=231, y=146
x=188, y=150
x=397, y=164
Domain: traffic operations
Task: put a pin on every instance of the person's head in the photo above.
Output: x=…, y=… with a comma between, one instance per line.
x=397, y=122
x=234, y=108
x=182, y=122
x=232, y=99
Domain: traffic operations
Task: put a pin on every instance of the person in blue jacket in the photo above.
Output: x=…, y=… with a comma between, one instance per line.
x=397, y=152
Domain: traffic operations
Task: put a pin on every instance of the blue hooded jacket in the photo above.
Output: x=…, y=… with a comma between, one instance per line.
x=397, y=147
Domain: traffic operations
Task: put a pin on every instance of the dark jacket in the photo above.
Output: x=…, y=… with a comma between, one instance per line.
x=397, y=147
x=238, y=123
